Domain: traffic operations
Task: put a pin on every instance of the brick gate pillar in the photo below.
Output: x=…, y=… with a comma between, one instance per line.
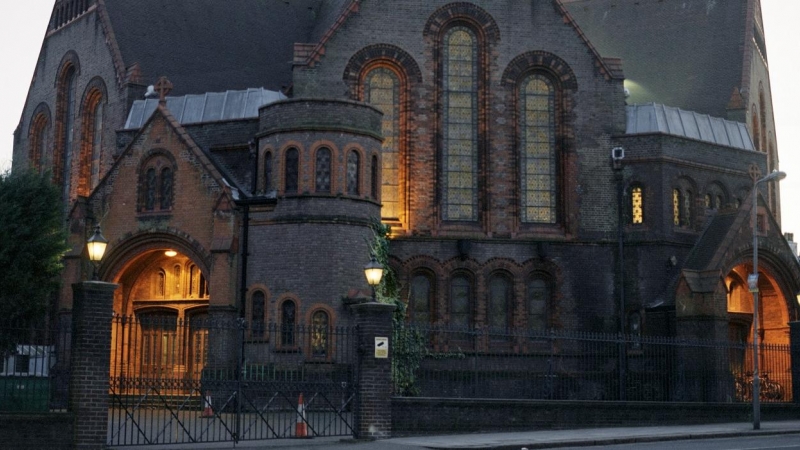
x=92, y=312
x=373, y=418
x=794, y=352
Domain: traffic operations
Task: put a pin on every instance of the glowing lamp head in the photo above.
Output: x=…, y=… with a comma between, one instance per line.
x=171, y=253
x=373, y=271
x=96, y=245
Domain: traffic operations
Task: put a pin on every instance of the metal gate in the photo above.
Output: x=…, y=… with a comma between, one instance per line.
x=191, y=380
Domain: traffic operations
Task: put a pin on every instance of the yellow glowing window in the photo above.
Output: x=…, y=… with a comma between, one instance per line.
x=382, y=90
x=676, y=207
x=637, y=205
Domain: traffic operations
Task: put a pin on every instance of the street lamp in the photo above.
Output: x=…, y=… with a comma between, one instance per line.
x=752, y=282
x=373, y=271
x=96, y=245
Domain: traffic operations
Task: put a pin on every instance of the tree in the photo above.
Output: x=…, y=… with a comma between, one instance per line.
x=33, y=242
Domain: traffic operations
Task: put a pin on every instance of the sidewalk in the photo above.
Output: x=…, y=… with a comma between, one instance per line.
x=595, y=436
x=517, y=440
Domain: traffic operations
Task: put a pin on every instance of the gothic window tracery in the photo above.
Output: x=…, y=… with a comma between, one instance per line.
x=157, y=185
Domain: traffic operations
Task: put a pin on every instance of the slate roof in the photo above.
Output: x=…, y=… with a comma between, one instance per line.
x=212, y=45
x=710, y=241
x=655, y=118
x=686, y=53
x=203, y=108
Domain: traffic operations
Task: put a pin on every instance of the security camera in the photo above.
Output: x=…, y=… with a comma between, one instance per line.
x=617, y=153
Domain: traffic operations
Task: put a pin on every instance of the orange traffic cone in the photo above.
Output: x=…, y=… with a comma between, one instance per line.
x=301, y=428
x=208, y=412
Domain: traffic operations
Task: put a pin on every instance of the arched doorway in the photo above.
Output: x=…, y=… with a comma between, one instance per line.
x=772, y=329
x=160, y=312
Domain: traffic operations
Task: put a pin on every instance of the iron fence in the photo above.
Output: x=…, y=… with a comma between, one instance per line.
x=34, y=367
x=564, y=365
x=203, y=380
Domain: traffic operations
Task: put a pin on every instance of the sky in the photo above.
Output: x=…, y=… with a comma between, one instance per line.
x=23, y=24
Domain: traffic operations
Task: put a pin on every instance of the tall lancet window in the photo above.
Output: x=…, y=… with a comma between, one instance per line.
x=460, y=125
x=382, y=90
x=537, y=127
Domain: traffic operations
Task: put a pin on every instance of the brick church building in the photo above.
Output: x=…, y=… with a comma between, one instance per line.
x=568, y=164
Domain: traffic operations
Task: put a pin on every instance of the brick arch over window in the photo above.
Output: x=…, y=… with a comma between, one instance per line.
x=157, y=182
x=540, y=60
x=39, y=153
x=379, y=54
x=95, y=98
x=463, y=11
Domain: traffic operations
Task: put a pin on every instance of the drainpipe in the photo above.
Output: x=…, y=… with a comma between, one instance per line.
x=246, y=229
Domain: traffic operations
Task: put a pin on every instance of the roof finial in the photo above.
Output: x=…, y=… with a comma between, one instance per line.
x=163, y=87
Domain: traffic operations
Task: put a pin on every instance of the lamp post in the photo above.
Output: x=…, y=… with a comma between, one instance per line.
x=96, y=245
x=374, y=272
x=752, y=282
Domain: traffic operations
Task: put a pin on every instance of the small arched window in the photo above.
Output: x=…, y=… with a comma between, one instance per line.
x=461, y=304
x=91, y=141
x=756, y=126
x=291, y=170
x=288, y=322
x=161, y=284
x=176, y=281
x=323, y=171
x=269, y=183
x=539, y=294
x=500, y=303
x=198, y=287
x=354, y=173
x=637, y=205
x=420, y=299
x=257, y=315
x=319, y=334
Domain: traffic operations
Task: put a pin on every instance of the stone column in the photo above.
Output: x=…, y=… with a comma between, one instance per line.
x=794, y=351
x=92, y=312
x=373, y=418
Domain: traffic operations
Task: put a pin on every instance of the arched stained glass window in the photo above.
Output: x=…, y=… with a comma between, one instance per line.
x=687, y=200
x=319, y=334
x=287, y=323
x=67, y=114
x=637, y=205
x=500, y=303
x=461, y=301
x=419, y=299
x=460, y=125
x=323, y=170
x=257, y=322
x=38, y=155
x=291, y=171
x=354, y=173
x=537, y=127
x=382, y=90
x=97, y=143
x=538, y=302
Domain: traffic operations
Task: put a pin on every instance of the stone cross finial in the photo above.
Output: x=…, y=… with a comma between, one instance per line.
x=755, y=172
x=163, y=87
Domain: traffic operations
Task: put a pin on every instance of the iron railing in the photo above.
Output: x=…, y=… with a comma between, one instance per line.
x=564, y=365
x=203, y=380
x=34, y=367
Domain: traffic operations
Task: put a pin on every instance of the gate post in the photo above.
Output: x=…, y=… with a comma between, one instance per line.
x=92, y=312
x=794, y=354
x=373, y=415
